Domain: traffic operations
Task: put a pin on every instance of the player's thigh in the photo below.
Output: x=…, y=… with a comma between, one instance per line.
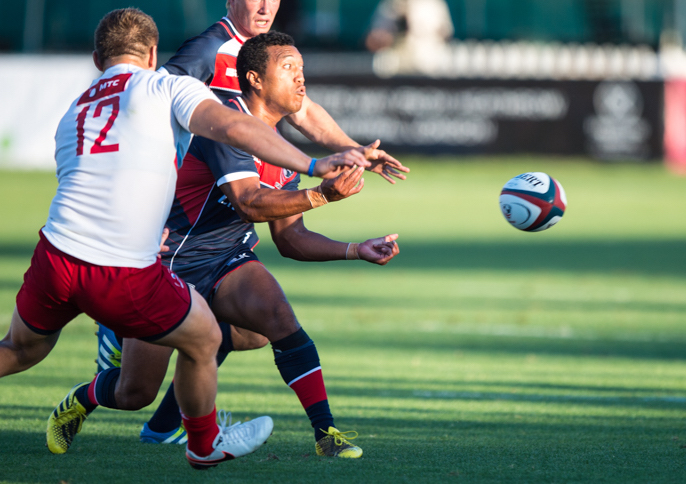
x=251, y=298
x=198, y=336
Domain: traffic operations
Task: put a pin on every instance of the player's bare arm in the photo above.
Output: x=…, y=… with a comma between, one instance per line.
x=256, y=204
x=219, y=123
x=295, y=241
x=319, y=127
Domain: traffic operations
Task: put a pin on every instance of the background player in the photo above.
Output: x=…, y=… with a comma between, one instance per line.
x=211, y=58
x=97, y=252
x=212, y=247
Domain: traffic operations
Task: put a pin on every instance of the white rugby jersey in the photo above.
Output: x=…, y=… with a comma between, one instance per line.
x=116, y=166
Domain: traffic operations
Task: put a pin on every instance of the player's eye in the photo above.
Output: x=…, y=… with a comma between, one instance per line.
x=286, y=66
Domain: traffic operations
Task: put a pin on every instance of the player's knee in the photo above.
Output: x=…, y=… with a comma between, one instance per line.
x=214, y=338
x=135, y=397
x=281, y=316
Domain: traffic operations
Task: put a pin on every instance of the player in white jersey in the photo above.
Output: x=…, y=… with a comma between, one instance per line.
x=97, y=252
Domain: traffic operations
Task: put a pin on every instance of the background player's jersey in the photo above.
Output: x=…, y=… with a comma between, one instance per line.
x=115, y=153
x=202, y=223
x=211, y=58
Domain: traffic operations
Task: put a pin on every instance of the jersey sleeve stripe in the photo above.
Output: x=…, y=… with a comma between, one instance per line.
x=239, y=175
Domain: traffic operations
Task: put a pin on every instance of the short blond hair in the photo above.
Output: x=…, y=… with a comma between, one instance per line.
x=125, y=31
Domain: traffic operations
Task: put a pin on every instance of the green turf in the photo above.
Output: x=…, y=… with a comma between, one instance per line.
x=481, y=354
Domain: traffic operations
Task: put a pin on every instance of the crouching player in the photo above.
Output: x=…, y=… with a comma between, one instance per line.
x=97, y=253
x=221, y=191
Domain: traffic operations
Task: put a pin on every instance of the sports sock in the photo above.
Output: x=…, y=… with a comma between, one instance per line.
x=100, y=391
x=167, y=416
x=201, y=433
x=227, y=343
x=298, y=362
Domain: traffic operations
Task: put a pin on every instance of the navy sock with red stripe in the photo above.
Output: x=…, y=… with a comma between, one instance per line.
x=100, y=391
x=298, y=362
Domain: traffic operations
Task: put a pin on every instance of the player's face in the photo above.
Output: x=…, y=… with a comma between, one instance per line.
x=253, y=17
x=284, y=81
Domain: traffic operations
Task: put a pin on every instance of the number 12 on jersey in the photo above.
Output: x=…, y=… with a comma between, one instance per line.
x=105, y=91
x=97, y=147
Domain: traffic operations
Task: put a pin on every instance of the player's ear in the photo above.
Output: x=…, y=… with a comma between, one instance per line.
x=254, y=80
x=152, y=59
x=96, y=61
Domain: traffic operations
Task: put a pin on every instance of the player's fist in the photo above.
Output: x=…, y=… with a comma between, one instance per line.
x=379, y=250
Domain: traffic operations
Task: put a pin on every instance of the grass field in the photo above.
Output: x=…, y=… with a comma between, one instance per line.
x=481, y=354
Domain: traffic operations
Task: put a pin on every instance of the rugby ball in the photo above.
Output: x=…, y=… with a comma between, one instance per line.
x=533, y=201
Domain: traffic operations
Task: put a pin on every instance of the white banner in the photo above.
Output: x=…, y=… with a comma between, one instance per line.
x=35, y=92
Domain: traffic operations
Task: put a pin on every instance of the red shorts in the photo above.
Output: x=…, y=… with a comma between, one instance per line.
x=143, y=303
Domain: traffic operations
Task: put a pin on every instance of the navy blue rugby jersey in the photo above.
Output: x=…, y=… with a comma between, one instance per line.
x=202, y=222
x=211, y=58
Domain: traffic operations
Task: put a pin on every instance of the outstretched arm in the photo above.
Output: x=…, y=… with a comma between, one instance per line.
x=219, y=123
x=256, y=204
x=295, y=241
x=319, y=127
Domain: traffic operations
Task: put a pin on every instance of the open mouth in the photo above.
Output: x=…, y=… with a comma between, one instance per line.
x=301, y=91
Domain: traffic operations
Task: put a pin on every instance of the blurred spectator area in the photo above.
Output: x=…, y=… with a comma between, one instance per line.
x=583, y=77
x=67, y=25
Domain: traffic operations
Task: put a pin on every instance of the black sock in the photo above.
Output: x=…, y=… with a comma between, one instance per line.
x=227, y=343
x=167, y=417
x=100, y=391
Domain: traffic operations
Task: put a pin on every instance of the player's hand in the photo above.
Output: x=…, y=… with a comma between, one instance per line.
x=379, y=250
x=382, y=163
x=333, y=164
x=163, y=248
x=346, y=184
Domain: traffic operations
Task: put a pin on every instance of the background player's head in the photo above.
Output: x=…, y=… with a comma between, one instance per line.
x=271, y=68
x=252, y=17
x=126, y=32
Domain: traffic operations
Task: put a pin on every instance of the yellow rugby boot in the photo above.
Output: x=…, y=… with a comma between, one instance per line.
x=335, y=444
x=65, y=422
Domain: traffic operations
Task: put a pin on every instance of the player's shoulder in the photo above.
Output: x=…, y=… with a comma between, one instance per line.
x=272, y=176
x=218, y=33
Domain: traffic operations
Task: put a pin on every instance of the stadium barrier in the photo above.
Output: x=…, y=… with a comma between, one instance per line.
x=609, y=120
x=612, y=120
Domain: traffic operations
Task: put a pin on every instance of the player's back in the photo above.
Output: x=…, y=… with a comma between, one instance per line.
x=115, y=153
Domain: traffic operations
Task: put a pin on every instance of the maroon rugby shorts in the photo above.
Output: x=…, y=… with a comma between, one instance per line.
x=143, y=303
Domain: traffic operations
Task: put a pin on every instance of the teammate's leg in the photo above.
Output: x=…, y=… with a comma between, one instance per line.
x=22, y=347
x=132, y=386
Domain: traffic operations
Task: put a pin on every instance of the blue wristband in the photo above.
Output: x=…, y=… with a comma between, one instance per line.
x=310, y=170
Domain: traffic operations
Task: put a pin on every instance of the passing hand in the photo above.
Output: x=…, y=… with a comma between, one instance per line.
x=379, y=250
x=382, y=163
x=332, y=165
x=346, y=184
